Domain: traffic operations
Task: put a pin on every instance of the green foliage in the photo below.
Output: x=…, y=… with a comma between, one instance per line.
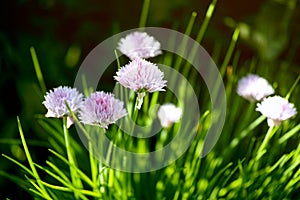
x=249, y=161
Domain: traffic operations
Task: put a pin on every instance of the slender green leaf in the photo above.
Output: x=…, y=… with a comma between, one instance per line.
x=38, y=70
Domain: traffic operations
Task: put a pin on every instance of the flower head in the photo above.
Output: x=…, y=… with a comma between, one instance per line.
x=276, y=109
x=139, y=44
x=102, y=109
x=169, y=114
x=55, y=102
x=141, y=76
x=254, y=88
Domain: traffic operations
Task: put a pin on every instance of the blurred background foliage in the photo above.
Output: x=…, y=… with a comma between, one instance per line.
x=63, y=32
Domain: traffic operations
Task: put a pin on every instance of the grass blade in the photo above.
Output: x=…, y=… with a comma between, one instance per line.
x=19, y=164
x=80, y=173
x=29, y=159
x=144, y=13
x=38, y=71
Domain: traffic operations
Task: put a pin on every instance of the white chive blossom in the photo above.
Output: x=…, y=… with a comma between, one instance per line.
x=169, y=114
x=139, y=45
x=254, y=88
x=101, y=109
x=276, y=109
x=55, y=102
x=141, y=76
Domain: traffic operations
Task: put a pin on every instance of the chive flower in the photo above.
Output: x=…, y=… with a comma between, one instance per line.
x=101, y=109
x=55, y=102
x=141, y=76
x=276, y=109
x=139, y=45
x=254, y=88
x=168, y=114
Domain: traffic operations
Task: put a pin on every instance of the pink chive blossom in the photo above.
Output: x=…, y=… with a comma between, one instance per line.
x=141, y=76
x=276, y=109
x=139, y=45
x=55, y=102
x=254, y=88
x=101, y=109
x=169, y=114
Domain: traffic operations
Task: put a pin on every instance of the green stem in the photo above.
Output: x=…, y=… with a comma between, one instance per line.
x=144, y=13
x=102, y=169
x=262, y=149
x=292, y=88
x=182, y=47
x=93, y=164
x=246, y=131
x=109, y=151
x=207, y=19
x=242, y=135
x=109, y=172
x=30, y=161
x=200, y=35
x=37, y=69
x=139, y=100
x=289, y=134
x=70, y=156
x=74, y=117
x=117, y=58
x=86, y=89
x=230, y=51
